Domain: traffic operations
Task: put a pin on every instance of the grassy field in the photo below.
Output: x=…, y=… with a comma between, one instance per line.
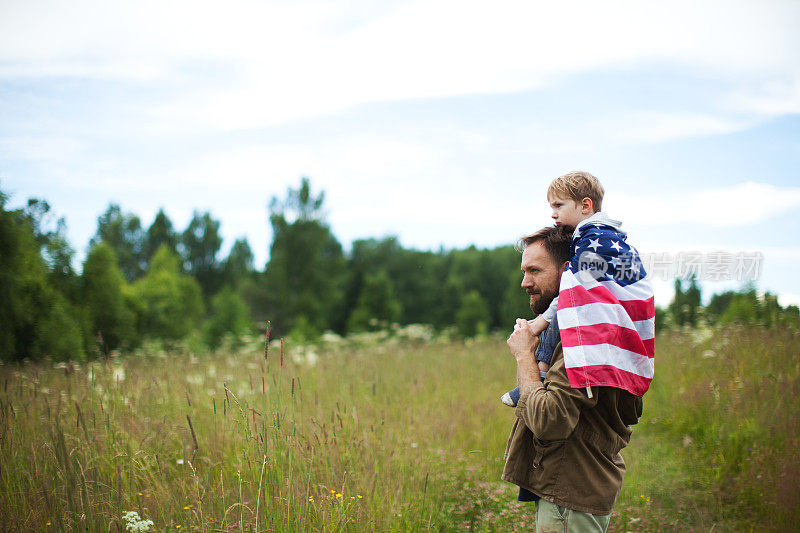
x=400, y=432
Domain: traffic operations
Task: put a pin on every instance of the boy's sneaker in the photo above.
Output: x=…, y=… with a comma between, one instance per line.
x=511, y=397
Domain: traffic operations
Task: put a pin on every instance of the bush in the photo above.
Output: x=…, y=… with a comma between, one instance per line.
x=168, y=304
x=473, y=316
x=229, y=316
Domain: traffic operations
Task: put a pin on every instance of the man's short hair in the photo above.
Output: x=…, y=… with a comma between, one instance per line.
x=576, y=186
x=555, y=239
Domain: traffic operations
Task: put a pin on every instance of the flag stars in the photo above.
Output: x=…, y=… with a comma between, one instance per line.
x=594, y=244
x=616, y=246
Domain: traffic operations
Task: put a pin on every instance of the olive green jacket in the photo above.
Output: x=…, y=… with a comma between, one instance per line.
x=565, y=446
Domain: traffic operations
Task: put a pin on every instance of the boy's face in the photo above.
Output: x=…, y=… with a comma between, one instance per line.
x=568, y=212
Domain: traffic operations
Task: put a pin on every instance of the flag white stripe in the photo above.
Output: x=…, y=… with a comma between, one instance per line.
x=599, y=313
x=608, y=354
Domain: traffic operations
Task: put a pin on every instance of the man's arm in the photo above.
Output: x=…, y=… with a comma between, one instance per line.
x=551, y=411
x=523, y=343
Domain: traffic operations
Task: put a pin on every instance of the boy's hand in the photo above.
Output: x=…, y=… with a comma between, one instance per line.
x=538, y=325
x=517, y=326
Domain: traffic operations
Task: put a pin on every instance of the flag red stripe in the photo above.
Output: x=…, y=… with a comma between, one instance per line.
x=606, y=375
x=579, y=295
x=604, y=333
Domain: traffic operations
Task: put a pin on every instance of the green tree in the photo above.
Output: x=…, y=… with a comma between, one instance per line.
x=103, y=296
x=516, y=302
x=159, y=233
x=229, y=316
x=487, y=272
x=51, y=235
x=685, y=307
x=718, y=304
x=200, y=244
x=305, y=273
x=377, y=304
x=36, y=319
x=473, y=316
x=124, y=234
x=416, y=277
x=238, y=267
x=168, y=304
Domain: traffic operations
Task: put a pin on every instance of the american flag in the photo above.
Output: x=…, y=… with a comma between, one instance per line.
x=606, y=311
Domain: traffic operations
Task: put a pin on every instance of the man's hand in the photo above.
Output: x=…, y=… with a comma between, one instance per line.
x=522, y=341
x=522, y=344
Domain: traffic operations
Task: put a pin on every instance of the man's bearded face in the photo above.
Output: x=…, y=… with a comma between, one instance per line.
x=541, y=277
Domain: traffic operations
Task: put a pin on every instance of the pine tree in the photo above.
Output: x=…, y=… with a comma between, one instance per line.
x=305, y=273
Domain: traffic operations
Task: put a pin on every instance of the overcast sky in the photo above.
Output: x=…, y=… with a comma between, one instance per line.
x=440, y=122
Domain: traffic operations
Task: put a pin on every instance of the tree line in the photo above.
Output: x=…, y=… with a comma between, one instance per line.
x=156, y=282
x=160, y=283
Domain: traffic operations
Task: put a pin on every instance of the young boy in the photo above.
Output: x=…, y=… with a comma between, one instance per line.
x=602, y=262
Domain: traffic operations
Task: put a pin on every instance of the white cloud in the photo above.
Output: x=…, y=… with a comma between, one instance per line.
x=657, y=127
x=786, y=299
x=739, y=205
x=40, y=148
x=773, y=98
x=288, y=60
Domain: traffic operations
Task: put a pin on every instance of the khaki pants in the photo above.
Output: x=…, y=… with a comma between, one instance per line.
x=553, y=519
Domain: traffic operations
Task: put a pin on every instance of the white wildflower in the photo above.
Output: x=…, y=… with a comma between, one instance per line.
x=330, y=337
x=118, y=374
x=136, y=524
x=194, y=379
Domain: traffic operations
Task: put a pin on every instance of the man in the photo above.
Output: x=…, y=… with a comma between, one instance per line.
x=565, y=443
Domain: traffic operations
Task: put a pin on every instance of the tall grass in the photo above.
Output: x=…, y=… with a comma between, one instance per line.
x=403, y=433
x=721, y=434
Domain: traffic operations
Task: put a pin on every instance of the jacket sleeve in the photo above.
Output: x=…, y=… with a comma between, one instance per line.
x=551, y=409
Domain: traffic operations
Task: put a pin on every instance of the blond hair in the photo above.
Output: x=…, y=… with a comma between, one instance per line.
x=577, y=186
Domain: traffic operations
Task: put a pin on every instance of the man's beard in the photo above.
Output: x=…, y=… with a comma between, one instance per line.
x=543, y=300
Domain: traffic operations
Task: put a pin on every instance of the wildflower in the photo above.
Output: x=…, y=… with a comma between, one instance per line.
x=135, y=524
x=311, y=499
x=48, y=524
x=360, y=496
x=118, y=373
x=339, y=495
x=179, y=461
